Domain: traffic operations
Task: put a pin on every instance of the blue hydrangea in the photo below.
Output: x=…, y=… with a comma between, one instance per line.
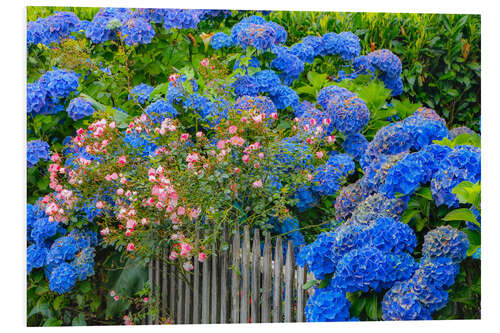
x=63, y=278
x=36, y=256
x=477, y=254
x=137, y=31
x=386, y=62
x=289, y=228
x=103, y=26
x=327, y=180
x=267, y=81
x=376, y=172
x=220, y=40
x=347, y=200
x=463, y=163
x=84, y=238
x=176, y=90
x=424, y=131
x=401, y=303
x=59, y=83
x=79, y=108
x=346, y=44
x=141, y=93
x=253, y=63
x=445, y=241
x=260, y=104
x=349, y=115
x=284, y=97
x=375, y=206
x=305, y=198
x=288, y=63
x=363, y=65
x=317, y=255
x=472, y=226
x=84, y=263
x=393, y=84
x=159, y=110
x=328, y=93
x=63, y=249
x=43, y=229
x=438, y=273
x=327, y=305
x=456, y=131
x=316, y=43
x=304, y=52
x=52, y=29
x=37, y=150
x=255, y=31
x=142, y=144
x=355, y=145
x=38, y=101
x=181, y=18
x=245, y=85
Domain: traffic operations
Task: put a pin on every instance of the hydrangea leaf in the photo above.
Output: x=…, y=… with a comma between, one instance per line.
x=461, y=214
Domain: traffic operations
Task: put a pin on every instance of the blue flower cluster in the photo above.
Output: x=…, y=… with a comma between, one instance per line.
x=52, y=29
x=346, y=45
x=137, y=31
x=425, y=291
x=463, y=163
x=46, y=95
x=259, y=104
x=290, y=65
x=159, y=110
x=255, y=31
x=348, y=113
x=454, y=132
x=355, y=145
x=37, y=150
x=79, y=108
x=66, y=259
x=328, y=177
x=220, y=40
x=327, y=305
x=105, y=24
x=141, y=93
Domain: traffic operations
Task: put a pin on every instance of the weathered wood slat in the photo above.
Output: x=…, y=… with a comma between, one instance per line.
x=235, y=278
x=164, y=285
x=196, y=292
x=277, y=288
x=267, y=280
x=214, y=290
x=157, y=289
x=301, y=280
x=173, y=291
x=255, y=294
x=205, y=296
x=187, y=300
x=150, y=276
x=180, y=298
x=224, y=280
x=245, y=277
x=289, y=273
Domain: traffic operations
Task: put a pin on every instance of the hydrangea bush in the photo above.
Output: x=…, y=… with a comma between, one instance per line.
x=231, y=128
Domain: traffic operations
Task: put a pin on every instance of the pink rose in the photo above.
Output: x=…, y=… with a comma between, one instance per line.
x=130, y=247
x=205, y=62
x=232, y=129
x=319, y=154
x=188, y=266
x=122, y=160
x=245, y=158
x=105, y=231
x=257, y=184
x=202, y=257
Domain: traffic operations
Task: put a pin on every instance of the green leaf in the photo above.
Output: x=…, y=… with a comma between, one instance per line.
x=325, y=281
x=468, y=193
x=408, y=215
x=58, y=302
x=85, y=287
x=357, y=306
x=425, y=192
x=79, y=320
x=317, y=79
x=52, y=322
x=121, y=118
x=372, y=307
x=461, y=214
x=309, y=284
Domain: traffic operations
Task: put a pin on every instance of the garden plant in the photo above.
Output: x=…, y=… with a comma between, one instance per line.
x=356, y=135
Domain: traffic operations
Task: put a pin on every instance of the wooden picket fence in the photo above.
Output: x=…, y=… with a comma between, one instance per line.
x=239, y=285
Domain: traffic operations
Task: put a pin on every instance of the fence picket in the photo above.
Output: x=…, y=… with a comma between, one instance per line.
x=255, y=294
x=187, y=300
x=224, y=279
x=277, y=290
x=205, y=295
x=289, y=273
x=215, y=258
x=300, y=293
x=164, y=287
x=245, y=275
x=173, y=289
x=151, y=280
x=180, y=299
x=235, y=277
x=196, y=287
x=157, y=288
x=267, y=280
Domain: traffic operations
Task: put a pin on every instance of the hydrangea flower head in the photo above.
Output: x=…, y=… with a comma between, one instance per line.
x=37, y=150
